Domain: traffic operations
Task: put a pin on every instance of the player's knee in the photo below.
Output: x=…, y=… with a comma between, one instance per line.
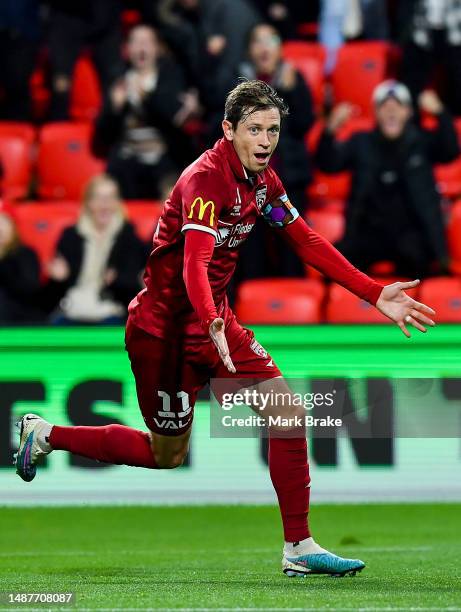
x=170, y=460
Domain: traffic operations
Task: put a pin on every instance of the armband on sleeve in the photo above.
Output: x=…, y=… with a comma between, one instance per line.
x=280, y=212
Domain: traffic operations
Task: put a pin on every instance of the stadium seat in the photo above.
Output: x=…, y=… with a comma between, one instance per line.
x=19, y=129
x=144, y=215
x=309, y=59
x=16, y=162
x=360, y=67
x=65, y=162
x=41, y=224
x=355, y=124
x=345, y=307
x=444, y=296
x=448, y=178
x=454, y=237
x=85, y=95
x=331, y=186
x=329, y=224
x=282, y=301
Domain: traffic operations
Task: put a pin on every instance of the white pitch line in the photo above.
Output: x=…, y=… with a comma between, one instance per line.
x=69, y=553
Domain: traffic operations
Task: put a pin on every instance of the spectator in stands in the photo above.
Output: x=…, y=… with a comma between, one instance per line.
x=140, y=123
x=19, y=37
x=291, y=161
x=96, y=270
x=342, y=20
x=207, y=36
x=19, y=274
x=287, y=15
x=74, y=25
x=393, y=212
x=434, y=38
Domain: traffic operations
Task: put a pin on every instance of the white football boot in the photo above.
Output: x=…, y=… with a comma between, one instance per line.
x=301, y=559
x=33, y=444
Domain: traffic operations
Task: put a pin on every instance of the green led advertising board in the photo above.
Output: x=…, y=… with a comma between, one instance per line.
x=81, y=376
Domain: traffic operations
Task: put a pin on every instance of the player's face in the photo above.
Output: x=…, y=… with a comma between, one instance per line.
x=103, y=204
x=392, y=117
x=255, y=138
x=142, y=48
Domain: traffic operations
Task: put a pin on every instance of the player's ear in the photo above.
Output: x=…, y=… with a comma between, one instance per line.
x=227, y=129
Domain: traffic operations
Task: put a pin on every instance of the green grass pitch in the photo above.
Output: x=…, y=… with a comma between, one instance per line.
x=228, y=557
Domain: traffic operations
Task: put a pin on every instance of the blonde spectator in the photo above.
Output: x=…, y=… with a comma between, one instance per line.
x=95, y=271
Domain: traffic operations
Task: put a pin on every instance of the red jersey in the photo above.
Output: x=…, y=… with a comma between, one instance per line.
x=214, y=195
x=217, y=199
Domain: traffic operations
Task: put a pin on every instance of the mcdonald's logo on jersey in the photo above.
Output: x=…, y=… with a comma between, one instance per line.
x=202, y=208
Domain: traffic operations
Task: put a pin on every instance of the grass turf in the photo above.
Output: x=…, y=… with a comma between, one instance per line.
x=229, y=557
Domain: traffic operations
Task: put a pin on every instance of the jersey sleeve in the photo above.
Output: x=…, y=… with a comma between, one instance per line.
x=278, y=211
x=202, y=201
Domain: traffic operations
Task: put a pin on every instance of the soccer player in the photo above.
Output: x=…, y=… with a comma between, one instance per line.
x=181, y=332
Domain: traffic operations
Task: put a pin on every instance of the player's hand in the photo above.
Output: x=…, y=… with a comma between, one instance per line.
x=219, y=338
x=401, y=308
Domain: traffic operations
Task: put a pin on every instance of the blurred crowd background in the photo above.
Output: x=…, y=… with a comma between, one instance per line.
x=104, y=102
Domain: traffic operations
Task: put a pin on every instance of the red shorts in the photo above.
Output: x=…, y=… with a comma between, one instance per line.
x=169, y=373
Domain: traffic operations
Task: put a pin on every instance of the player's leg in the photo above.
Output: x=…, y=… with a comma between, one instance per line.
x=167, y=412
x=288, y=459
x=111, y=444
x=289, y=471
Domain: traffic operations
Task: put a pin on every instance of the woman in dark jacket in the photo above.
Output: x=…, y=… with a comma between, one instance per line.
x=96, y=270
x=140, y=125
x=19, y=274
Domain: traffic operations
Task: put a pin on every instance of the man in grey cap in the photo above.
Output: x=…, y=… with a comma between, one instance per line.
x=393, y=211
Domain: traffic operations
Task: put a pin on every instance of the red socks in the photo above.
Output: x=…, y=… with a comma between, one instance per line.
x=289, y=472
x=112, y=444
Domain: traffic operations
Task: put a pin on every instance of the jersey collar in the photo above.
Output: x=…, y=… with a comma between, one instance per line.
x=236, y=165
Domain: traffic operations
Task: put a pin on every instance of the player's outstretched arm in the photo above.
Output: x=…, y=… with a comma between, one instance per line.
x=401, y=308
x=391, y=300
x=198, y=250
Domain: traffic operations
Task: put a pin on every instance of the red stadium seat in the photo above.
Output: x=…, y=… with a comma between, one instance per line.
x=331, y=186
x=144, y=215
x=85, y=95
x=448, y=177
x=345, y=307
x=282, y=301
x=19, y=129
x=16, y=162
x=454, y=237
x=329, y=224
x=444, y=296
x=354, y=125
x=65, y=162
x=360, y=67
x=40, y=225
x=309, y=59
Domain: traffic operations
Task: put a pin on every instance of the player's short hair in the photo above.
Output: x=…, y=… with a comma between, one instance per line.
x=249, y=97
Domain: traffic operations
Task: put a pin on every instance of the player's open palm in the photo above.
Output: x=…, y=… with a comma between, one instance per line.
x=401, y=308
x=219, y=338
